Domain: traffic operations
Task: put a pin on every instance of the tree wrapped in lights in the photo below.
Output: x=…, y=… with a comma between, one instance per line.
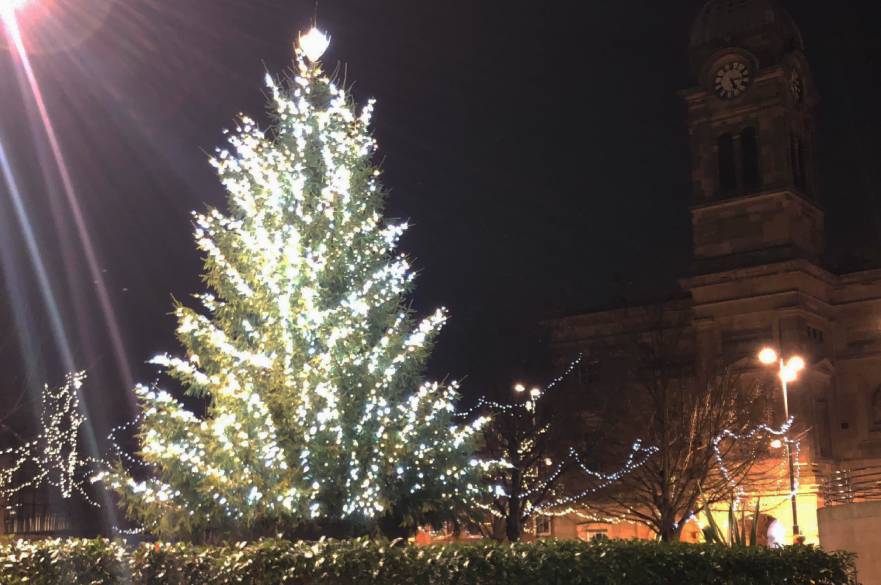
x=309, y=359
x=532, y=472
x=704, y=418
x=52, y=457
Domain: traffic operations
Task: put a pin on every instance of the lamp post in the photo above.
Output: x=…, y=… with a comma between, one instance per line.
x=534, y=395
x=787, y=372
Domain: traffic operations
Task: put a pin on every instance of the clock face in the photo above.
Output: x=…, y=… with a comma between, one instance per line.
x=796, y=86
x=732, y=79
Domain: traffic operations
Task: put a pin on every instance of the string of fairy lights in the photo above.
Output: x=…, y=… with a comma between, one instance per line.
x=52, y=458
x=305, y=345
x=483, y=402
x=763, y=431
x=544, y=484
x=272, y=454
x=568, y=505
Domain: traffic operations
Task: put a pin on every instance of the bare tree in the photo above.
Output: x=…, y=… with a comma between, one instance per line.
x=532, y=459
x=525, y=456
x=700, y=415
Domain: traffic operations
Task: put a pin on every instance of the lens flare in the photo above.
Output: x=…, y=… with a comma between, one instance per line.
x=10, y=6
x=44, y=129
x=82, y=232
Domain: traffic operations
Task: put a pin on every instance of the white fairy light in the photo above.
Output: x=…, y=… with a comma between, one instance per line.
x=52, y=457
x=541, y=492
x=305, y=349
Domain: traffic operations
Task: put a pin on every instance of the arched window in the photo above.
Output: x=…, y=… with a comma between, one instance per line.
x=727, y=166
x=749, y=157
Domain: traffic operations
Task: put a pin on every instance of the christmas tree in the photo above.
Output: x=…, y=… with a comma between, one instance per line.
x=306, y=353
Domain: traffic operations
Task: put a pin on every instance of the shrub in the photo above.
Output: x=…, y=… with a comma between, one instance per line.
x=366, y=562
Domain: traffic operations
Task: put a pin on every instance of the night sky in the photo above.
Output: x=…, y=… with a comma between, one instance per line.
x=540, y=153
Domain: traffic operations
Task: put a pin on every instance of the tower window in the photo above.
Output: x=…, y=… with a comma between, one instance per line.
x=797, y=153
x=727, y=165
x=749, y=153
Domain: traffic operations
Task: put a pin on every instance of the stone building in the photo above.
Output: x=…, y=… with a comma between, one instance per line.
x=758, y=274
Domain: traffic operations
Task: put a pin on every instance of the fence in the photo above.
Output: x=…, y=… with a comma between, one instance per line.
x=852, y=485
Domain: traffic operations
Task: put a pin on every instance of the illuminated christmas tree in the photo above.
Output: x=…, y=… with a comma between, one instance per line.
x=306, y=353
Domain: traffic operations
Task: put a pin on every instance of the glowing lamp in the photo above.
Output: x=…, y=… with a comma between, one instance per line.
x=796, y=364
x=534, y=393
x=519, y=388
x=776, y=444
x=548, y=461
x=313, y=44
x=787, y=374
x=768, y=356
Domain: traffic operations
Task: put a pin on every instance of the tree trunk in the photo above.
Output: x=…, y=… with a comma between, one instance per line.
x=513, y=529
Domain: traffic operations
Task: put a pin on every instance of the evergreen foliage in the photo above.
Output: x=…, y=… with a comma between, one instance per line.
x=306, y=352
x=366, y=562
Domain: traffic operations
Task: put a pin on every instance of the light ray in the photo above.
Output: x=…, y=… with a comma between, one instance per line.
x=13, y=34
x=84, y=237
x=36, y=259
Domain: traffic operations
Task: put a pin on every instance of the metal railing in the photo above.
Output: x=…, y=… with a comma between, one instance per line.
x=35, y=520
x=856, y=484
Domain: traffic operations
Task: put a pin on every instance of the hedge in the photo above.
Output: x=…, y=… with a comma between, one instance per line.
x=366, y=562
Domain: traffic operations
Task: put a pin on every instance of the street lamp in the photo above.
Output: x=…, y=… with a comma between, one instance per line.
x=787, y=372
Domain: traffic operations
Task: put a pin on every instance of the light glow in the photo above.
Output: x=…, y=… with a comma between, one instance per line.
x=787, y=374
x=796, y=364
x=317, y=409
x=10, y=6
x=51, y=458
x=313, y=44
x=768, y=356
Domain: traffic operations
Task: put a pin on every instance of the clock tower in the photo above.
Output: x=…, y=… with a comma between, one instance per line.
x=751, y=128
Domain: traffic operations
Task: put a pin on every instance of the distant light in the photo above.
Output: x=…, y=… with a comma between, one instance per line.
x=548, y=461
x=768, y=356
x=535, y=393
x=519, y=388
x=313, y=44
x=796, y=364
x=776, y=444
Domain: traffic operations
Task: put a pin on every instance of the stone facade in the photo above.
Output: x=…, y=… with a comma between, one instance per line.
x=758, y=276
x=855, y=528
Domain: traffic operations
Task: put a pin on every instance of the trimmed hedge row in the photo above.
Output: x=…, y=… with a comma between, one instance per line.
x=366, y=562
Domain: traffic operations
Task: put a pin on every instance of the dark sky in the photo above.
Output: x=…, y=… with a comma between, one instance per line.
x=540, y=152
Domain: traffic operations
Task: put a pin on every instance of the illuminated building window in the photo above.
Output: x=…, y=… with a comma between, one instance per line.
x=542, y=526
